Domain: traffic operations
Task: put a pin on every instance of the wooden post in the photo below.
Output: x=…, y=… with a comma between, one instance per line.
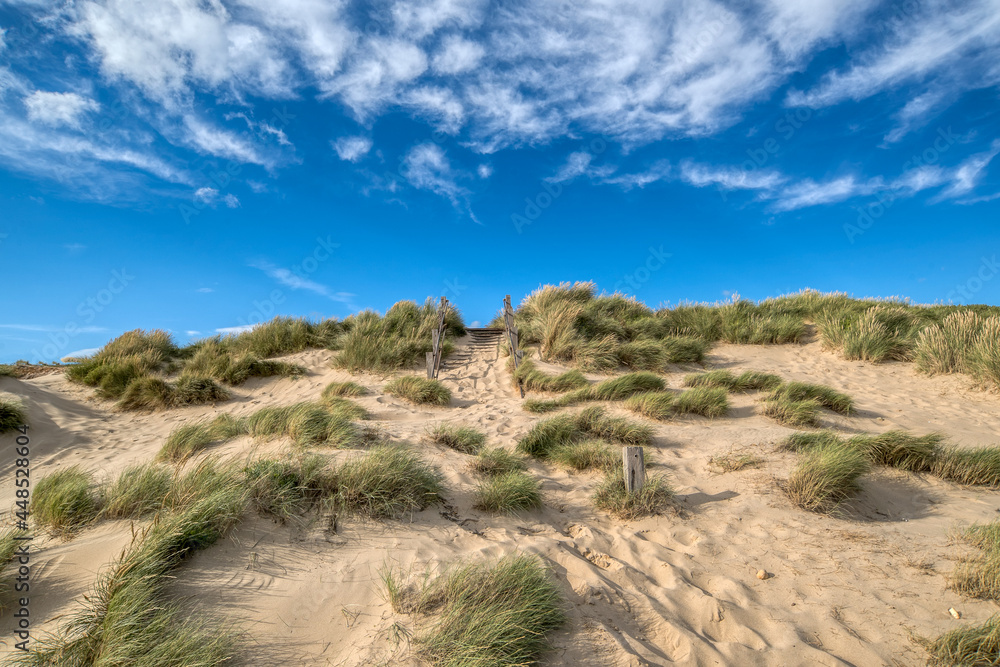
x=635, y=468
x=430, y=365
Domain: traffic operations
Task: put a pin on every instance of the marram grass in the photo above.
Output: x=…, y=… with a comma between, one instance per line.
x=825, y=476
x=464, y=439
x=418, y=390
x=507, y=493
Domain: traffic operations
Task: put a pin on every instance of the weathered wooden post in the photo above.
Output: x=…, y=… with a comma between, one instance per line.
x=635, y=468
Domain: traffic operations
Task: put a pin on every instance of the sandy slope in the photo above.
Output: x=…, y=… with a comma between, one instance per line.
x=679, y=588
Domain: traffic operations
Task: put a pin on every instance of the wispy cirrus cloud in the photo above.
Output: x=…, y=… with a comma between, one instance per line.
x=295, y=281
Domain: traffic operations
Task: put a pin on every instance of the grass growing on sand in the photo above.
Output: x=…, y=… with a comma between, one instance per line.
x=418, y=390
x=128, y=619
x=744, y=382
x=977, y=466
x=662, y=405
x=342, y=389
x=979, y=576
x=614, y=389
x=507, y=493
x=611, y=496
x=803, y=391
x=967, y=646
x=793, y=413
x=534, y=379
x=496, y=461
x=137, y=491
x=461, y=438
x=385, y=482
x=586, y=454
x=734, y=462
x=396, y=341
x=491, y=615
x=12, y=413
x=826, y=475
x=284, y=488
x=548, y=434
x=64, y=500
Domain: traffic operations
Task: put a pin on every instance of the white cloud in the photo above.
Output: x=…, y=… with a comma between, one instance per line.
x=58, y=108
x=457, y=55
x=730, y=178
x=205, y=290
x=484, y=171
x=352, y=149
x=298, y=282
x=576, y=165
x=968, y=174
x=427, y=167
x=811, y=193
x=231, y=200
x=934, y=37
x=193, y=333
x=914, y=115
x=206, y=195
x=243, y=328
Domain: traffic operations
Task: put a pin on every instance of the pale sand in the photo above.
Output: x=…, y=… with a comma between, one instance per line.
x=678, y=588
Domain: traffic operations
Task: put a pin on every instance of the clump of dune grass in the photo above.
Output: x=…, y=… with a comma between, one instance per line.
x=418, y=390
x=185, y=441
x=127, y=618
x=979, y=576
x=234, y=365
x=825, y=396
x=681, y=349
x=705, y=401
x=611, y=496
x=139, y=490
x=8, y=370
x=385, y=482
x=613, y=389
x=284, y=488
x=967, y=646
x=744, y=382
x=658, y=405
x=497, y=461
x=344, y=389
x=825, y=476
x=792, y=413
x=497, y=615
x=898, y=449
x=534, y=379
x=801, y=441
x=193, y=389
x=945, y=347
x=507, y=493
x=133, y=355
x=396, y=341
x=882, y=332
x=548, y=434
x=586, y=454
x=461, y=438
x=147, y=393
x=984, y=356
x=975, y=466
x=12, y=413
x=743, y=322
x=64, y=500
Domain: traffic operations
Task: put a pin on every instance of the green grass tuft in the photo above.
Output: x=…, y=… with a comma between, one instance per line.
x=708, y=402
x=507, y=493
x=64, y=500
x=658, y=405
x=196, y=390
x=979, y=466
x=418, y=390
x=493, y=616
x=793, y=413
x=826, y=475
x=138, y=490
x=534, y=379
x=496, y=461
x=385, y=482
x=586, y=454
x=461, y=438
x=744, y=382
x=967, y=646
x=348, y=389
x=652, y=498
x=825, y=396
x=12, y=413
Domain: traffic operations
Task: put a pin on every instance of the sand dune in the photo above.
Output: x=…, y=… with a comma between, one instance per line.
x=674, y=589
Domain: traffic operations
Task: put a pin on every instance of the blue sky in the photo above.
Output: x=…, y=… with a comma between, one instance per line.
x=199, y=166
